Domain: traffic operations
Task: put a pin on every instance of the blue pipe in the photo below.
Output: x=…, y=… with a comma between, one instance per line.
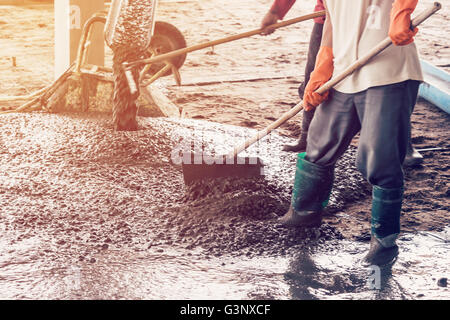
x=436, y=86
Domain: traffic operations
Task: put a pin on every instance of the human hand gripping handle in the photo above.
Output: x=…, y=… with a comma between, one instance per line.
x=269, y=19
x=400, y=30
x=323, y=71
x=277, y=12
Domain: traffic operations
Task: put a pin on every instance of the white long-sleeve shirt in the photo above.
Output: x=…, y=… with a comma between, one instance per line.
x=357, y=27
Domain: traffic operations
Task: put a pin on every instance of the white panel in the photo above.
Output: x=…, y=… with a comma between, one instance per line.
x=62, y=37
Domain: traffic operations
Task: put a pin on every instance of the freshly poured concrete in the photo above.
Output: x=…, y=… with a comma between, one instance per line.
x=90, y=213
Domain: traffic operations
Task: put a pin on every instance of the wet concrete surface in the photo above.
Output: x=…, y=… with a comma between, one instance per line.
x=90, y=213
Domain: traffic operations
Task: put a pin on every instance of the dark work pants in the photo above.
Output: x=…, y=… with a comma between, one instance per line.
x=314, y=46
x=382, y=114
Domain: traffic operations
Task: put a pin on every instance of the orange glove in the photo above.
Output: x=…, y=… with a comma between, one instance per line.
x=323, y=71
x=400, y=29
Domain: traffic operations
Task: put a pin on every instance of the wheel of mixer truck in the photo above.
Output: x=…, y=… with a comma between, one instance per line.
x=166, y=38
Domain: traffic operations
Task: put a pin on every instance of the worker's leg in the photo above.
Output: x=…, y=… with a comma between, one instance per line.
x=331, y=131
x=384, y=116
x=413, y=157
x=314, y=45
x=384, y=113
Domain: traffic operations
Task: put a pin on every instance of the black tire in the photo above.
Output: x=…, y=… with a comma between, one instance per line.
x=166, y=38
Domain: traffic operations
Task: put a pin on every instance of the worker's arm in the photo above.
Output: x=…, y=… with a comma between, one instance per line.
x=323, y=70
x=327, y=34
x=277, y=12
x=281, y=7
x=400, y=28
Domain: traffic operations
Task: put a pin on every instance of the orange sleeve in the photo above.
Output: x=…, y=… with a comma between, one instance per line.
x=281, y=7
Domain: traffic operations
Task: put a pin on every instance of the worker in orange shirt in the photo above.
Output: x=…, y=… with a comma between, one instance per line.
x=278, y=10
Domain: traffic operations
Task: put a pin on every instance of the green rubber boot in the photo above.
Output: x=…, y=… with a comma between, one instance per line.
x=386, y=208
x=312, y=189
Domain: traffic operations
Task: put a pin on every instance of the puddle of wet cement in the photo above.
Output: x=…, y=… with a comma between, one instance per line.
x=328, y=271
x=337, y=273
x=89, y=213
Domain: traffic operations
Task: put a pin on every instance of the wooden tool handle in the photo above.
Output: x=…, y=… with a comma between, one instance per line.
x=169, y=55
x=335, y=80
